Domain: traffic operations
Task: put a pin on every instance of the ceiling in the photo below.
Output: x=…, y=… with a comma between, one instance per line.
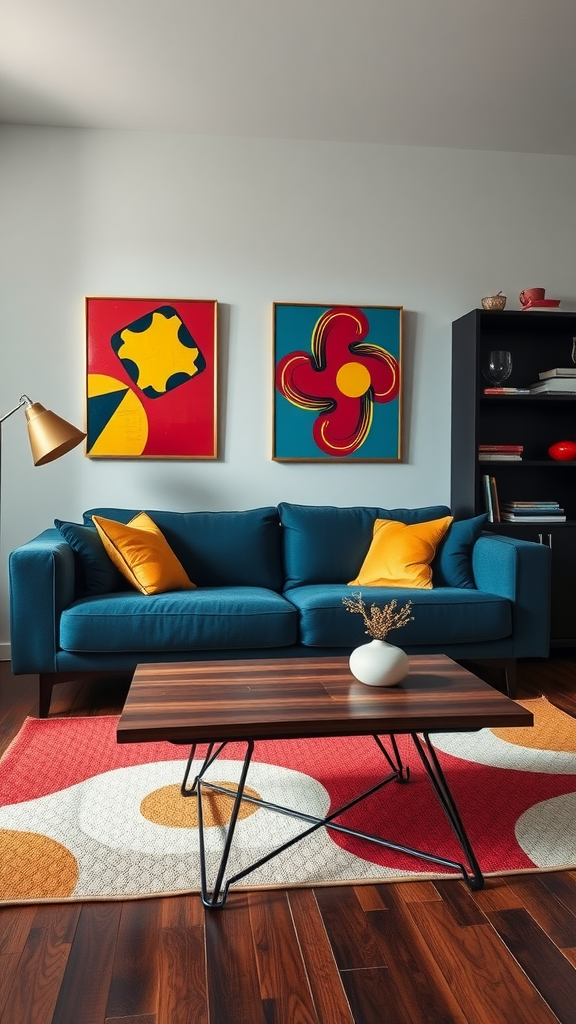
x=469, y=74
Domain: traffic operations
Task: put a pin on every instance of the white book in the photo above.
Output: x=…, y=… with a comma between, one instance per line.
x=558, y=371
x=532, y=519
x=554, y=384
x=504, y=457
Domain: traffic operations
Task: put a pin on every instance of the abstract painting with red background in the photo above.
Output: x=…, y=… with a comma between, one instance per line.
x=151, y=378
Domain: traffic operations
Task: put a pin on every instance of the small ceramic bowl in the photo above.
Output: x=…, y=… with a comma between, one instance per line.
x=494, y=301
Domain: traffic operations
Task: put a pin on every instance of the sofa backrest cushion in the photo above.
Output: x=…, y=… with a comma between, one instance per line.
x=327, y=544
x=98, y=575
x=218, y=548
x=452, y=566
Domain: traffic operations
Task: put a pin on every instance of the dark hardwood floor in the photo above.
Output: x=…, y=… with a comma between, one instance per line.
x=399, y=953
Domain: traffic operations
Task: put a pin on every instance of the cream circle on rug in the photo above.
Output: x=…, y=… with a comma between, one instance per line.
x=110, y=810
x=486, y=748
x=549, y=826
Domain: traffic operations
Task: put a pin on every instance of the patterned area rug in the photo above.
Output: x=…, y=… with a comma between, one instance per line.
x=82, y=817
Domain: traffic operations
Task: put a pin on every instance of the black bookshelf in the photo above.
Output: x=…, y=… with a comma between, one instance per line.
x=538, y=341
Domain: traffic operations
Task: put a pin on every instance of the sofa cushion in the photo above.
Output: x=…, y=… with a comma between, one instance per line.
x=142, y=554
x=326, y=544
x=99, y=575
x=221, y=618
x=440, y=616
x=219, y=549
x=400, y=554
x=452, y=566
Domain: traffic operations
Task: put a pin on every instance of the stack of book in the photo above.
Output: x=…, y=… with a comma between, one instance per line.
x=500, y=452
x=506, y=391
x=559, y=381
x=532, y=512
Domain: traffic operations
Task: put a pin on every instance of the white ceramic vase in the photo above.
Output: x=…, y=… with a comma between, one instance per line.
x=379, y=663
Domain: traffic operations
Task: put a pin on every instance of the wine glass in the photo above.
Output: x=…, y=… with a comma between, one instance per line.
x=499, y=367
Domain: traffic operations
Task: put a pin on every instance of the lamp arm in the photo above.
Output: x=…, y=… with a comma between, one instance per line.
x=23, y=400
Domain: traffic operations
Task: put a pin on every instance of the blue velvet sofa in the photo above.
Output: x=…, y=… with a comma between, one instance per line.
x=269, y=582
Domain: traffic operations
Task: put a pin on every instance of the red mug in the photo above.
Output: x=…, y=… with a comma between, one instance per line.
x=563, y=451
x=531, y=295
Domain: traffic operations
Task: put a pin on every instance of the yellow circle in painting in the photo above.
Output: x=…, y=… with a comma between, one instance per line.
x=126, y=432
x=167, y=806
x=353, y=380
x=35, y=867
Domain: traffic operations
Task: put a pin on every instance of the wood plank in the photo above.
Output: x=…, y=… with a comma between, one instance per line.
x=415, y=892
x=33, y=995
x=496, y=895
x=543, y=963
x=488, y=985
x=346, y=925
x=325, y=981
x=570, y=955
x=233, y=990
x=282, y=976
x=134, y=984
x=562, y=884
x=549, y=912
x=374, y=997
x=84, y=991
x=9, y=964
x=182, y=985
x=369, y=897
x=457, y=896
x=24, y=706
x=423, y=989
x=15, y=923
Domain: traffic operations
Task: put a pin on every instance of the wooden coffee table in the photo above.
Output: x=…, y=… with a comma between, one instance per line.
x=216, y=702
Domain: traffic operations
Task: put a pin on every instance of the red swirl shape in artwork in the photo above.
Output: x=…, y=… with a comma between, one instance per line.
x=341, y=379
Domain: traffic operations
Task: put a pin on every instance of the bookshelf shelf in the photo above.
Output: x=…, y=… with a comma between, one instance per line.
x=537, y=343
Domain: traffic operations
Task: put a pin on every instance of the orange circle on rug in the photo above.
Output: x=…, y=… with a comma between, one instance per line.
x=35, y=867
x=167, y=806
x=552, y=729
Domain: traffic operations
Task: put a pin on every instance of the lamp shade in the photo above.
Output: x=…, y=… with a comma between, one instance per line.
x=50, y=436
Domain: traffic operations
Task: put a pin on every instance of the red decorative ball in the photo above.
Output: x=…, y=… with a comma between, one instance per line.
x=563, y=450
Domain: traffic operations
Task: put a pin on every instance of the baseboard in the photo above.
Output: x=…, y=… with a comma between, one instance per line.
x=5, y=652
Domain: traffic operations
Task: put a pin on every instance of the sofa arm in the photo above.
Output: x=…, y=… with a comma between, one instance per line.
x=519, y=570
x=42, y=583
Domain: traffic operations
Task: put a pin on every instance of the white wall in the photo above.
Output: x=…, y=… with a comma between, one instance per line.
x=249, y=222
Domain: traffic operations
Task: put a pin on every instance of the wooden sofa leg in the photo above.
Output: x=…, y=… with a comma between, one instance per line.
x=499, y=672
x=46, y=680
x=509, y=667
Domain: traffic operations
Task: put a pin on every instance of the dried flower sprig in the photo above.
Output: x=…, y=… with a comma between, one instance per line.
x=379, y=621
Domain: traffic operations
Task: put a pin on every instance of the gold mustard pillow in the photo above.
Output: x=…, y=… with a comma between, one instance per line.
x=142, y=554
x=400, y=554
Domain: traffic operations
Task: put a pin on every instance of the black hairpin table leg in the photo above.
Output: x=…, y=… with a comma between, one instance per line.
x=440, y=786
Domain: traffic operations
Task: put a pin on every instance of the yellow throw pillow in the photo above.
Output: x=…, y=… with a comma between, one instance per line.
x=400, y=554
x=142, y=554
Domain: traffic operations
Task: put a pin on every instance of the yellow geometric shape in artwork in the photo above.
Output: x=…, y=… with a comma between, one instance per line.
x=35, y=867
x=125, y=432
x=166, y=806
x=158, y=352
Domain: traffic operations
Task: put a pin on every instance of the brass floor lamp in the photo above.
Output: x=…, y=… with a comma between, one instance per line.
x=49, y=435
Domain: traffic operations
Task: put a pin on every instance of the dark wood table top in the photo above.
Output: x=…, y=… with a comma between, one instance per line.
x=305, y=697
